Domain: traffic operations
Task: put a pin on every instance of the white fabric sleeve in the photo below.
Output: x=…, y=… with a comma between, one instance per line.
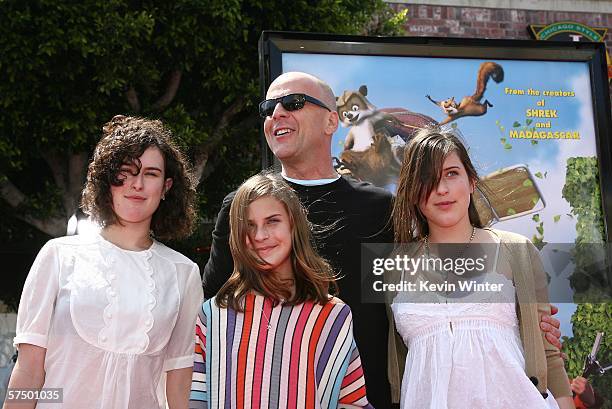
x=179, y=353
x=38, y=299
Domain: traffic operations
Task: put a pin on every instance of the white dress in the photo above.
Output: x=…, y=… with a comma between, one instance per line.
x=465, y=354
x=112, y=320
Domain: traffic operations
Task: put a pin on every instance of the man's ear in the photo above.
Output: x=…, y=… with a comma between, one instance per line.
x=332, y=123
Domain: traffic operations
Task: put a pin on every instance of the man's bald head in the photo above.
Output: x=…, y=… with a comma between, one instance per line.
x=292, y=82
x=301, y=138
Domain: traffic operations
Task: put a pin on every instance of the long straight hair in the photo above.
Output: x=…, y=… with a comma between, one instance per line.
x=314, y=278
x=420, y=174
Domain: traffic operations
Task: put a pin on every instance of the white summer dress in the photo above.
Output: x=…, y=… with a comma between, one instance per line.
x=465, y=354
x=112, y=320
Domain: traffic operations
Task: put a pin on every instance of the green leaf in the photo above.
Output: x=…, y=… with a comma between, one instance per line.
x=527, y=183
x=507, y=146
x=540, y=229
x=528, y=121
x=556, y=218
x=536, y=218
x=510, y=211
x=534, y=142
x=516, y=124
x=539, y=175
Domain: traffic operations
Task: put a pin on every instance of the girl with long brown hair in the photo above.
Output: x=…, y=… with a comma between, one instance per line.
x=273, y=336
x=478, y=349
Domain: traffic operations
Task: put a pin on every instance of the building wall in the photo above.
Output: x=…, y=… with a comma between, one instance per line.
x=482, y=22
x=468, y=18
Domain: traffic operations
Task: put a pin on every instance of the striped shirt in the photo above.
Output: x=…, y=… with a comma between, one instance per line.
x=283, y=356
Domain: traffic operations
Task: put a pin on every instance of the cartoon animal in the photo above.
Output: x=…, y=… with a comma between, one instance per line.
x=359, y=114
x=377, y=164
x=374, y=145
x=471, y=105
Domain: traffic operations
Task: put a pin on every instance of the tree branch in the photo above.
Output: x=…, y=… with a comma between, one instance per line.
x=171, y=88
x=11, y=193
x=209, y=167
x=69, y=179
x=57, y=170
x=200, y=160
x=55, y=226
x=132, y=98
x=77, y=168
x=249, y=123
x=201, y=155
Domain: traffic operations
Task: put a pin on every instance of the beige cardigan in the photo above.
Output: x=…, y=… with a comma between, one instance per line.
x=543, y=363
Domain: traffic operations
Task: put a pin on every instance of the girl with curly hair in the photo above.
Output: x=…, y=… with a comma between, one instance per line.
x=105, y=316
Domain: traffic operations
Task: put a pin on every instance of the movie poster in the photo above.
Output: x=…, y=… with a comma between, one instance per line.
x=529, y=127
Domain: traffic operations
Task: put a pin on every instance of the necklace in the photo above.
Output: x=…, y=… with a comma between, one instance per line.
x=269, y=326
x=426, y=243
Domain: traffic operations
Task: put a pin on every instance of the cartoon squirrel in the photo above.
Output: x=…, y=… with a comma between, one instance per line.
x=363, y=118
x=471, y=105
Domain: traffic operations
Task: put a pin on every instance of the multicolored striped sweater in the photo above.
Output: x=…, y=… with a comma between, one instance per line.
x=283, y=356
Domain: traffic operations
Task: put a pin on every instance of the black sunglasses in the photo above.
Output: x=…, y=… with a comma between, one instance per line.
x=291, y=102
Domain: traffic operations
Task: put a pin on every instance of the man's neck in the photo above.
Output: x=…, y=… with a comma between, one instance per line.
x=309, y=172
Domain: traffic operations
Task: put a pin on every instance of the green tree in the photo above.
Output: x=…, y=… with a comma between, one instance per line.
x=589, y=319
x=68, y=67
x=589, y=280
x=582, y=192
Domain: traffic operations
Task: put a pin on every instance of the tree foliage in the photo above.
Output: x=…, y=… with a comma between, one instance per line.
x=68, y=67
x=589, y=279
x=589, y=319
x=582, y=192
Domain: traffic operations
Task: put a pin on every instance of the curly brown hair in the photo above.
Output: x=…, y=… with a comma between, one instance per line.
x=124, y=140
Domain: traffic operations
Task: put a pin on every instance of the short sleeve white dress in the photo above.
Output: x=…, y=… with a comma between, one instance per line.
x=466, y=354
x=112, y=320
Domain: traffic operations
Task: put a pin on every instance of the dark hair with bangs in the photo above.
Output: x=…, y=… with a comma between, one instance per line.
x=314, y=278
x=420, y=174
x=124, y=140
